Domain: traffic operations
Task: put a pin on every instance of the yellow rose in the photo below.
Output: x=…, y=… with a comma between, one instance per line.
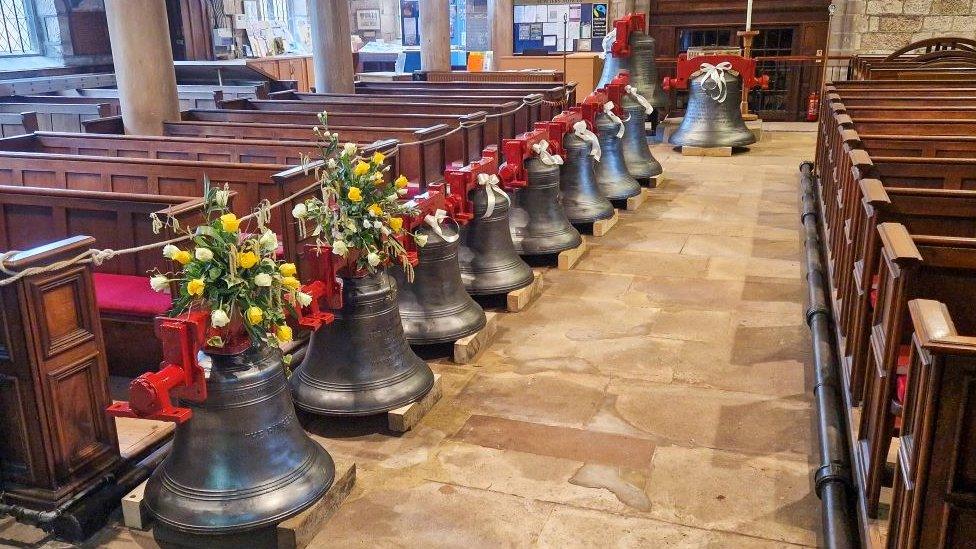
x=283, y=333
x=229, y=222
x=378, y=158
x=195, y=287
x=287, y=269
x=182, y=257
x=247, y=260
x=355, y=194
x=255, y=315
x=396, y=223
x=375, y=210
x=378, y=178
x=290, y=282
x=401, y=182
x=360, y=169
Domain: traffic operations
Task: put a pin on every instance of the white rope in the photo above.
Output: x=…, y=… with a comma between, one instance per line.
x=491, y=184
x=585, y=134
x=632, y=91
x=434, y=222
x=608, y=41
x=608, y=110
x=542, y=149
x=716, y=73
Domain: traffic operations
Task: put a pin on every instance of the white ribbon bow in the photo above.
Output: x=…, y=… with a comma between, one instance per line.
x=434, y=222
x=608, y=41
x=608, y=110
x=640, y=99
x=490, y=183
x=716, y=74
x=585, y=134
x=542, y=149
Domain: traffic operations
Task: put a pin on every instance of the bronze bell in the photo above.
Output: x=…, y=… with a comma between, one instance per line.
x=582, y=200
x=713, y=117
x=538, y=222
x=361, y=364
x=612, y=177
x=434, y=307
x=638, y=159
x=643, y=70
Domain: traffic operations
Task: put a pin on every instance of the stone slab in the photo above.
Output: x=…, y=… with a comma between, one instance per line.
x=467, y=348
x=406, y=417
x=603, y=226
x=298, y=531
x=568, y=258
x=518, y=300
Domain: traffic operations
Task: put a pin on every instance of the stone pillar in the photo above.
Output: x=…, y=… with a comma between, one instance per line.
x=502, y=28
x=331, y=46
x=435, y=35
x=139, y=33
x=617, y=9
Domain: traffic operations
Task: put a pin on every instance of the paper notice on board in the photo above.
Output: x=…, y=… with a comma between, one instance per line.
x=548, y=40
x=573, y=30
x=562, y=12
x=585, y=31
x=523, y=31
x=554, y=29
x=575, y=12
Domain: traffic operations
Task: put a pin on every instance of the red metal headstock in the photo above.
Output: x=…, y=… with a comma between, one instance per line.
x=326, y=285
x=616, y=89
x=687, y=67
x=560, y=125
x=630, y=23
x=591, y=106
x=516, y=152
x=460, y=181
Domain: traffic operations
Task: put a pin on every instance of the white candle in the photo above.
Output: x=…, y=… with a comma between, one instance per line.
x=749, y=16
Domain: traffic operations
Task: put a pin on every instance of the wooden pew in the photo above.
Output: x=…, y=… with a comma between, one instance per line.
x=190, y=96
x=554, y=97
x=60, y=117
x=896, y=100
x=12, y=124
x=552, y=77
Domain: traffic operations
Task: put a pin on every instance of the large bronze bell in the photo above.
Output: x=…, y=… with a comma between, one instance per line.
x=242, y=462
x=640, y=163
x=582, y=200
x=612, y=177
x=713, y=117
x=361, y=364
x=538, y=222
x=638, y=59
x=434, y=307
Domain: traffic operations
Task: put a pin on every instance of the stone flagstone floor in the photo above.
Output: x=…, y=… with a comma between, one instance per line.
x=658, y=395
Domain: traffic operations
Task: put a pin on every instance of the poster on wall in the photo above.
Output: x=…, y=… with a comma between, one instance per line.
x=559, y=25
x=368, y=20
x=410, y=22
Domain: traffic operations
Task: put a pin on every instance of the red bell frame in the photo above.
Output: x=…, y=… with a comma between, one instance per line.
x=687, y=67
x=426, y=204
x=459, y=181
x=515, y=152
x=630, y=23
x=557, y=128
x=616, y=89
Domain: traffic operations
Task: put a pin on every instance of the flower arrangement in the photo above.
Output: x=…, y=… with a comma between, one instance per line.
x=359, y=213
x=234, y=274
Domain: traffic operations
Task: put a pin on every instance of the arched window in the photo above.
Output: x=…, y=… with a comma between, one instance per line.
x=18, y=28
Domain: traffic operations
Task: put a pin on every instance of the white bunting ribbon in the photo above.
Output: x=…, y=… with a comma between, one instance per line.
x=716, y=73
x=585, y=134
x=434, y=222
x=632, y=91
x=542, y=149
x=608, y=110
x=490, y=183
x=608, y=41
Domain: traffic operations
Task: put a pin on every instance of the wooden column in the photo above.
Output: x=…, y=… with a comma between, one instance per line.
x=141, y=50
x=435, y=35
x=502, y=23
x=331, y=46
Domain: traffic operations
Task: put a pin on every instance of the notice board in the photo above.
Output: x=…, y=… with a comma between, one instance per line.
x=559, y=25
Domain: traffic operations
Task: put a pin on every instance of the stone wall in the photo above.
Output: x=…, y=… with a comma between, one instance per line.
x=882, y=26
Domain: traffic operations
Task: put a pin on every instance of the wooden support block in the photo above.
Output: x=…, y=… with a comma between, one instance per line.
x=519, y=299
x=467, y=348
x=603, y=226
x=133, y=513
x=568, y=258
x=636, y=201
x=406, y=417
x=298, y=531
x=657, y=182
x=706, y=151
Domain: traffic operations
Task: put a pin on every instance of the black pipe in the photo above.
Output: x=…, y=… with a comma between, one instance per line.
x=833, y=478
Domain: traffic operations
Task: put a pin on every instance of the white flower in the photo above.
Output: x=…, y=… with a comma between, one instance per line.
x=377, y=224
x=339, y=248
x=349, y=149
x=331, y=163
x=221, y=196
x=420, y=239
x=159, y=283
x=303, y=299
x=170, y=251
x=367, y=224
x=373, y=258
x=401, y=192
x=299, y=211
x=262, y=279
x=268, y=241
x=219, y=319
x=203, y=254
x=351, y=225
x=327, y=134
x=385, y=231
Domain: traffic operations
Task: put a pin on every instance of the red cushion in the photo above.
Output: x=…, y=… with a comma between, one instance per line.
x=874, y=291
x=901, y=388
x=128, y=294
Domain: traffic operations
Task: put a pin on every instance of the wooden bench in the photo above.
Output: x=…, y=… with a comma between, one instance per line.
x=555, y=98
x=552, y=77
x=12, y=124
x=190, y=96
x=59, y=117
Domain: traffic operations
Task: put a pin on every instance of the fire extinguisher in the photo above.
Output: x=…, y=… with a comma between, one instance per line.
x=813, y=106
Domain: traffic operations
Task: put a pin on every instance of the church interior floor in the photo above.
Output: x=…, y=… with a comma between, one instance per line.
x=657, y=395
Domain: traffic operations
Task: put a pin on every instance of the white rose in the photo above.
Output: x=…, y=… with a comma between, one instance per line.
x=339, y=248
x=219, y=319
x=268, y=241
x=351, y=225
x=303, y=299
x=221, y=197
x=367, y=224
x=420, y=239
x=402, y=192
x=159, y=283
x=349, y=149
x=373, y=258
x=327, y=134
x=299, y=211
x=262, y=279
x=203, y=254
x=377, y=224
x=170, y=251
x=331, y=163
